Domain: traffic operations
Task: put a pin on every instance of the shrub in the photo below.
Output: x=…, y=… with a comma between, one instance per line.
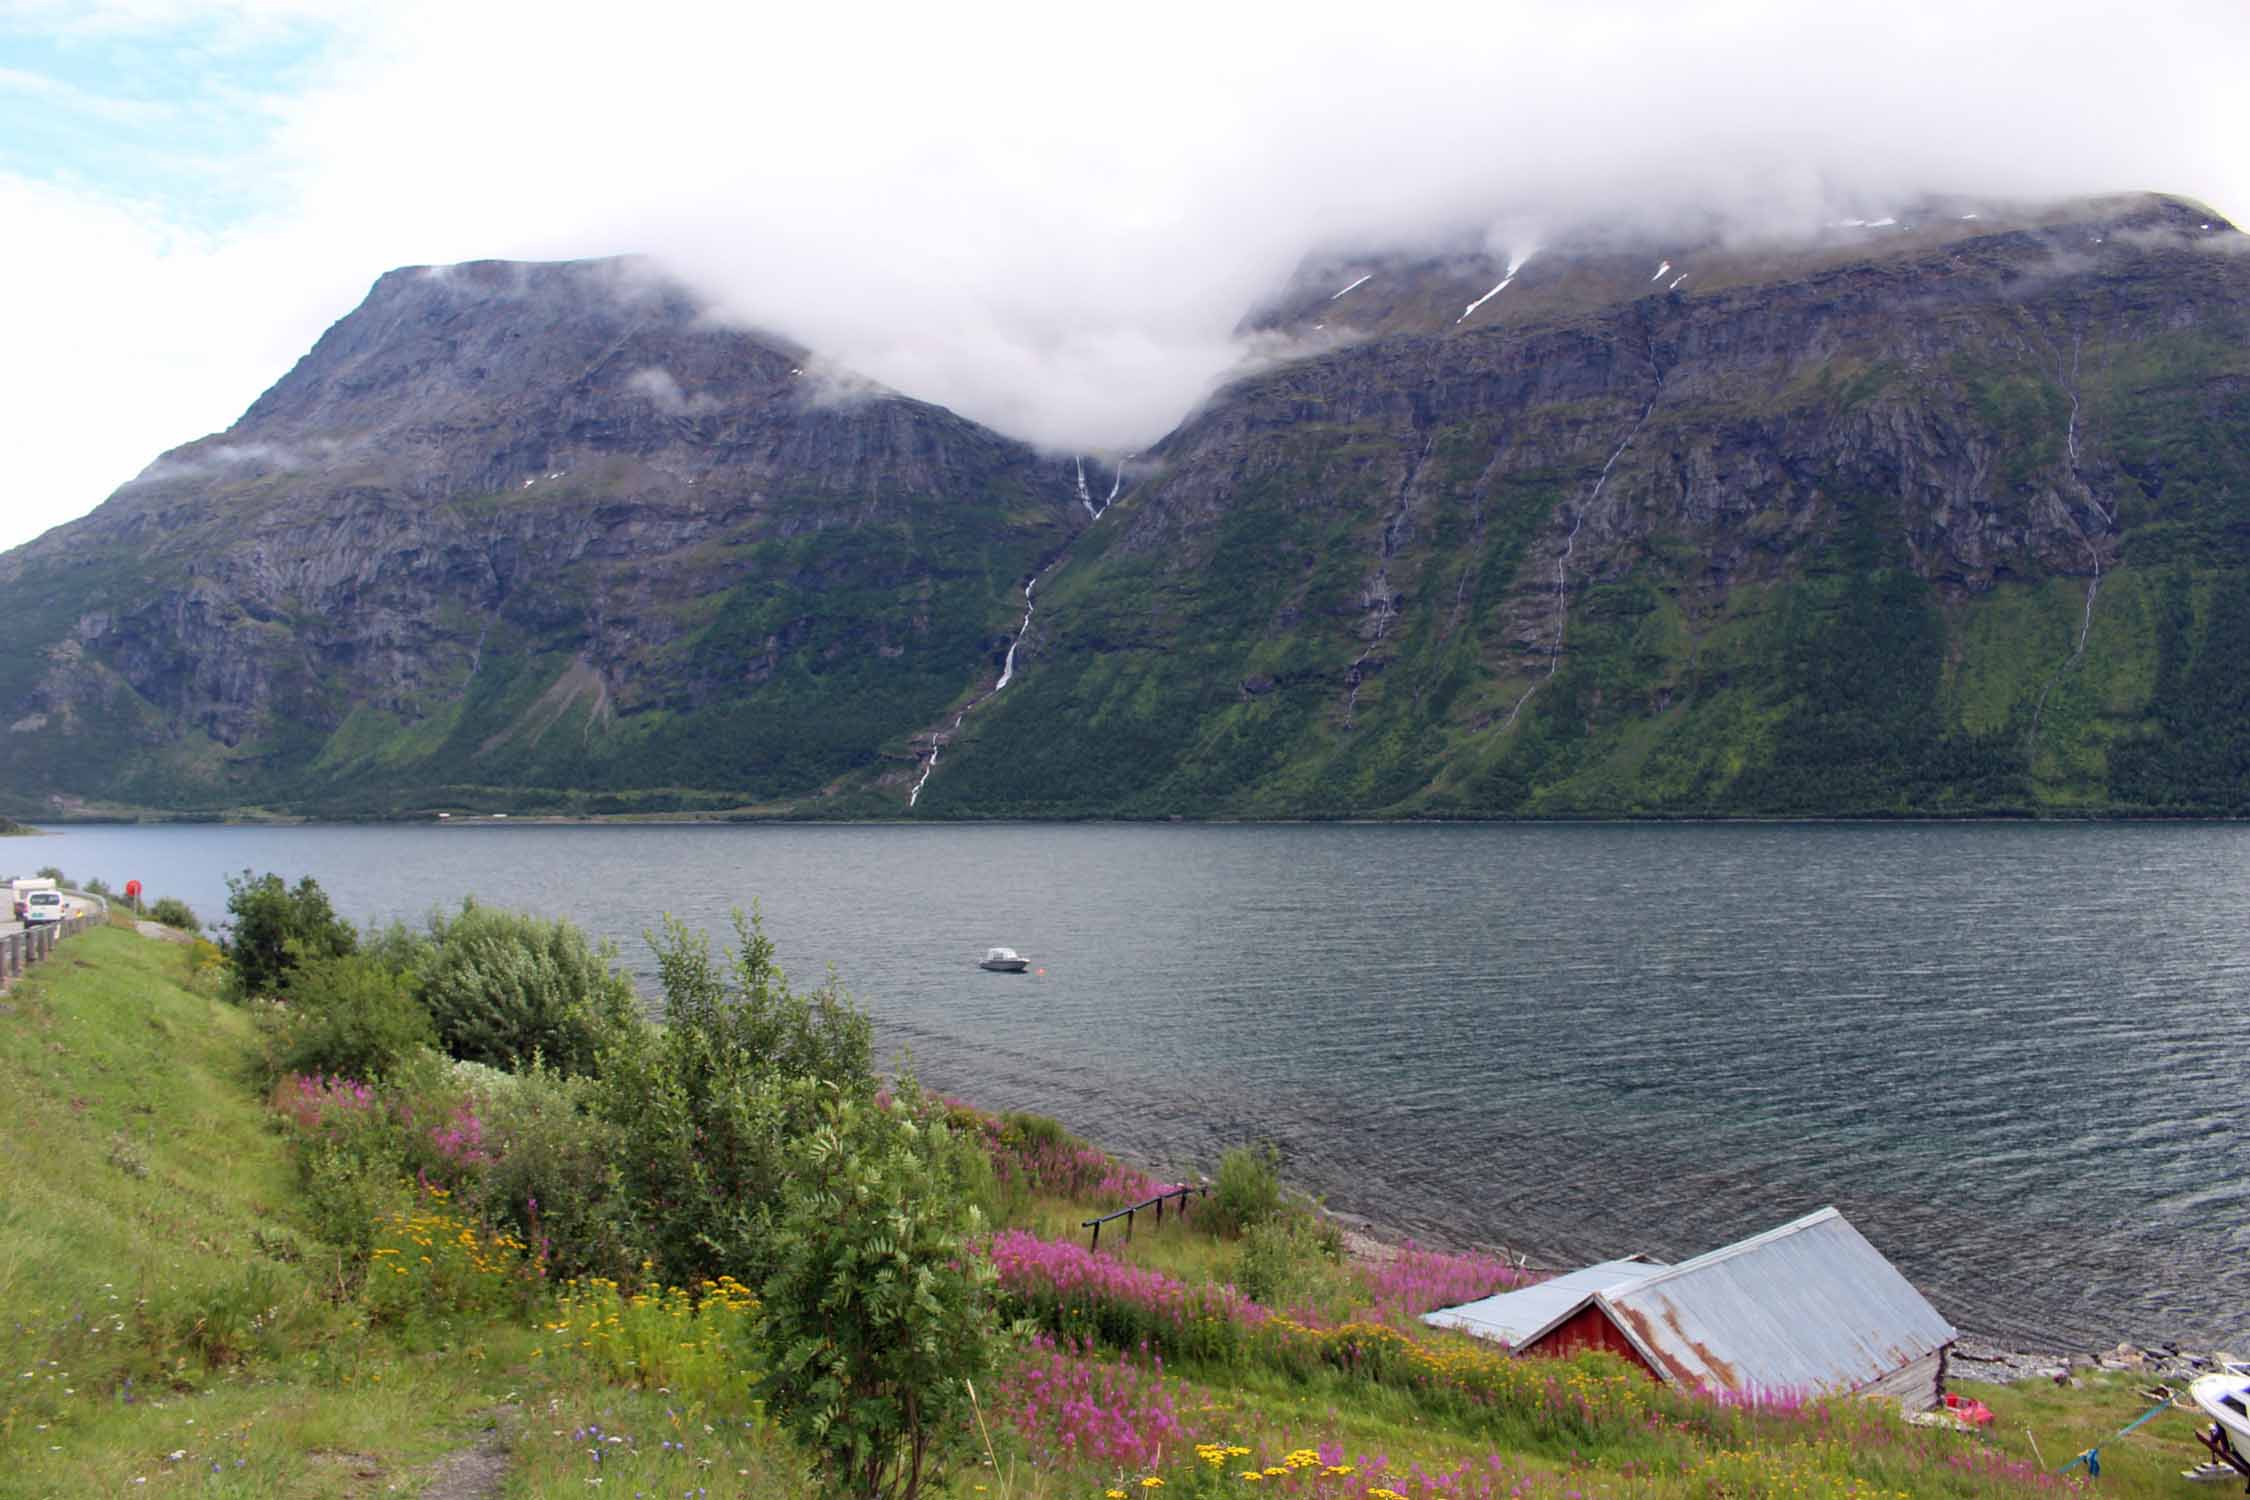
x=207, y=970
x=503, y=988
x=353, y=1017
x=347, y=1195
x=1290, y=1260
x=1248, y=1190
x=398, y=947
x=173, y=912
x=552, y=1180
x=275, y=928
x=877, y=1315
x=706, y=1129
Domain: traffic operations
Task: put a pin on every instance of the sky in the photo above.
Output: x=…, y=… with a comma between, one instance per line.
x=1047, y=217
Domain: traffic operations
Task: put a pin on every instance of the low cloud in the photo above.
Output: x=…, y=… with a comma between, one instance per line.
x=217, y=460
x=664, y=393
x=1055, y=221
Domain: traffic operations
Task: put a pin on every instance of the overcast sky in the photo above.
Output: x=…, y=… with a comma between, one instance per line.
x=1048, y=217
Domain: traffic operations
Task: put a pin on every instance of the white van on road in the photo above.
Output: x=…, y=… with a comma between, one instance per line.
x=43, y=906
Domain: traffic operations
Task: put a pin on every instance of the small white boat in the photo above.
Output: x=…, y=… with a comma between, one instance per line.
x=2225, y=1398
x=1004, y=961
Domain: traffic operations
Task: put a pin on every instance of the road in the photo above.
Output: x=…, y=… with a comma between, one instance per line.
x=75, y=904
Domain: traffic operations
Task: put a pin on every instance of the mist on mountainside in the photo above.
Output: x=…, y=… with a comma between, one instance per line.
x=1055, y=229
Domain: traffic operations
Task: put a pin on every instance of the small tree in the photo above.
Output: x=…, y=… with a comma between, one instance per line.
x=708, y=1128
x=879, y=1313
x=275, y=928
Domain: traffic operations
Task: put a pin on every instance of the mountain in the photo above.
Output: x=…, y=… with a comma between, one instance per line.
x=1946, y=513
x=526, y=535
x=1944, y=516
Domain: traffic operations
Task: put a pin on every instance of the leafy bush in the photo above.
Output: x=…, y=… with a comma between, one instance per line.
x=1248, y=1190
x=347, y=1195
x=207, y=975
x=275, y=928
x=503, y=988
x=398, y=947
x=1290, y=1260
x=351, y=1016
x=173, y=912
x=877, y=1315
x=706, y=1131
x=551, y=1179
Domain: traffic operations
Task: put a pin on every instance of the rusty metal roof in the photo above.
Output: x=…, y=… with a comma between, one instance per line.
x=1512, y=1317
x=1810, y=1306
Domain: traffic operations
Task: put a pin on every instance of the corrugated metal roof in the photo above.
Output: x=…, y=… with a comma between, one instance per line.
x=1512, y=1317
x=1810, y=1306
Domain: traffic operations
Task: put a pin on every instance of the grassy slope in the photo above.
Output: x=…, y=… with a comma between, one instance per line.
x=163, y=1297
x=147, y=1229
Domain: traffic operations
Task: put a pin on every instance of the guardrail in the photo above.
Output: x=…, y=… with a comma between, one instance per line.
x=1126, y=1213
x=20, y=950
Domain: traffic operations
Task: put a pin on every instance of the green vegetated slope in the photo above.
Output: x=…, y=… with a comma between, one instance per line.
x=179, y=1324
x=1841, y=568
x=169, y=1328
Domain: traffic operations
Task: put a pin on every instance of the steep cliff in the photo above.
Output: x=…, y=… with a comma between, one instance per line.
x=1940, y=517
x=1946, y=516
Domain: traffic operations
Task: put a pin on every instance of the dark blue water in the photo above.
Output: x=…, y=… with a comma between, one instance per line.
x=2014, y=1056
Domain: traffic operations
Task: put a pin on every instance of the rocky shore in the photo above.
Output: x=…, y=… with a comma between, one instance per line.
x=2166, y=1364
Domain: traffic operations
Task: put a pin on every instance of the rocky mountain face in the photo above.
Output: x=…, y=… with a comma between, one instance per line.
x=1948, y=516
x=519, y=534
x=1944, y=517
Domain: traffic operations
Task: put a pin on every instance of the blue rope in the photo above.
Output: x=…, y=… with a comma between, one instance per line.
x=2092, y=1457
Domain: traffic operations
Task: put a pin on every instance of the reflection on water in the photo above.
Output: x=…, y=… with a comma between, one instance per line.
x=2010, y=1054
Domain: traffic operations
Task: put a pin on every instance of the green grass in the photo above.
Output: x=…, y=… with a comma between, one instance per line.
x=165, y=1294
x=162, y=1290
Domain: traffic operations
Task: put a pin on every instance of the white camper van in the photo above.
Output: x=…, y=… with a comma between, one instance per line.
x=21, y=891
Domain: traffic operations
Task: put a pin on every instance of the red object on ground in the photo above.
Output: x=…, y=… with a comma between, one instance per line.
x=1967, y=1410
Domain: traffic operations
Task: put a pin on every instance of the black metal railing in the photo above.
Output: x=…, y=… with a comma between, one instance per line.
x=1126, y=1213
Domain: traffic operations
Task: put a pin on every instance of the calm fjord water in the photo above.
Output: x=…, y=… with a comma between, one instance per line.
x=2014, y=1055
